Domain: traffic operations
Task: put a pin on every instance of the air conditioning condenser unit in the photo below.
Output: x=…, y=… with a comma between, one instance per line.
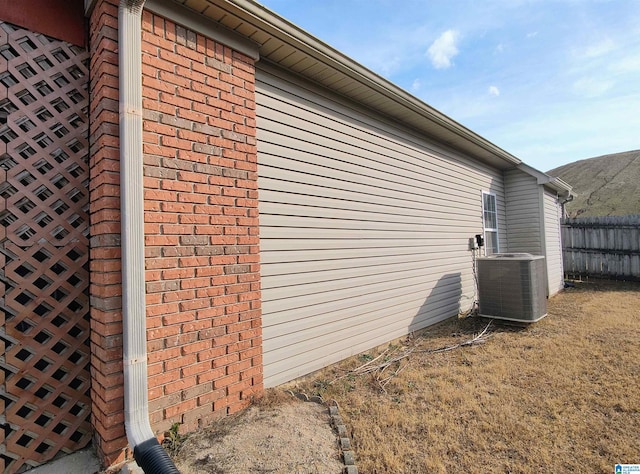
x=512, y=286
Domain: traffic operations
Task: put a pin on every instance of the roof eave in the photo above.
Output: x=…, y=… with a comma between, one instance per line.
x=555, y=184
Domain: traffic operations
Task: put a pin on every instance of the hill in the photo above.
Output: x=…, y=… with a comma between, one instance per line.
x=607, y=185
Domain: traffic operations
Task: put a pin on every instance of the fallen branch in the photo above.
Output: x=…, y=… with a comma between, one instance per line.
x=385, y=381
x=479, y=339
x=379, y=369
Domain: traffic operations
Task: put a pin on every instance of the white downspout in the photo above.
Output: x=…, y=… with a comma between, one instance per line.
x=147, y=451
x=132, y=221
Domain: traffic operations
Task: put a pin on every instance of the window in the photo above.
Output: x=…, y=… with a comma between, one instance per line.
x=490, y=223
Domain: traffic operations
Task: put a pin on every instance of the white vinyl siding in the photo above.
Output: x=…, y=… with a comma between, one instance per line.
x=364, y=227
x=524, y=223
x=553, y=242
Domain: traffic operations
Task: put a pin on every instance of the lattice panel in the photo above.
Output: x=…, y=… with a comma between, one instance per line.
x=43, y=248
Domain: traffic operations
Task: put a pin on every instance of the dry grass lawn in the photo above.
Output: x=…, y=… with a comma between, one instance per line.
x=562, y=395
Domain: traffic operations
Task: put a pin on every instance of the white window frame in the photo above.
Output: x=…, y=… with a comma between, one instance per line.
x=486, y=229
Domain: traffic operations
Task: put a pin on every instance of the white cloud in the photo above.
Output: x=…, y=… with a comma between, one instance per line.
x=494, y=91
x=533, y=34
x=416, y=85
x=499, y=48
x=628, y=64
x=390, y=53
x=591, y=87
x=443, y=49
x=596, y=50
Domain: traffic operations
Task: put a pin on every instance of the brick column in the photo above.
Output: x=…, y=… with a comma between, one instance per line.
x=204, y=327
x=107, y=391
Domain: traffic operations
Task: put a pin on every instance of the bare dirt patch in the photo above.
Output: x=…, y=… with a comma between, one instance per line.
x=562, y=395
x=278, y=434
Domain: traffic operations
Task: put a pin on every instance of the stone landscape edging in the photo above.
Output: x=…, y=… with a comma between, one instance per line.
x=339, y=427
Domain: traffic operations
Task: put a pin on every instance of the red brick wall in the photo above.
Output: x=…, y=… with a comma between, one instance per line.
x=201, y=229
x=201, y=226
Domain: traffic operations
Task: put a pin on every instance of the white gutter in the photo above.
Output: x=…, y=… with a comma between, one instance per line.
x=147, y=451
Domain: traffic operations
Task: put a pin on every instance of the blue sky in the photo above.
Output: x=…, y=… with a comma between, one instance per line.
x=550, y=81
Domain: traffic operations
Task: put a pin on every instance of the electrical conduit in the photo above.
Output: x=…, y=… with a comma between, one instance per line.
x=148, y=453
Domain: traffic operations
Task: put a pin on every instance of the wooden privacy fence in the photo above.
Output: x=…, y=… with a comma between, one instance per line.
x=607, y=247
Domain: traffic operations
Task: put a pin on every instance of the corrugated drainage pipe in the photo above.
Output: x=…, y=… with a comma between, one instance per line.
x=148, y=453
